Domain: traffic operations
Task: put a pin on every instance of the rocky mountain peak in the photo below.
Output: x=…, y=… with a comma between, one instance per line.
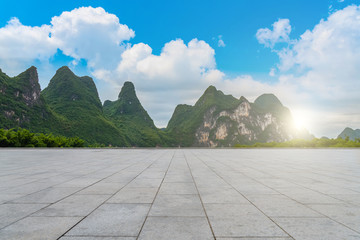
x=30, y=86
x=243, y=99
x=268, y=101
x=127, y=91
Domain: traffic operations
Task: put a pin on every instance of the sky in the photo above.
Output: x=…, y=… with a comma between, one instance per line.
x=305, y=52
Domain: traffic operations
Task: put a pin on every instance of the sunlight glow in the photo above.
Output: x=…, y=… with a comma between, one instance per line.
x=302, y=119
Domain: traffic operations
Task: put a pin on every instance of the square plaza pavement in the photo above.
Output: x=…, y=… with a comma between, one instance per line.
x=257, y=194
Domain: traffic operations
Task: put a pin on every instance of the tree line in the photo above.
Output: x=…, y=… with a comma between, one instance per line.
x=313, y=143
x=24, y=138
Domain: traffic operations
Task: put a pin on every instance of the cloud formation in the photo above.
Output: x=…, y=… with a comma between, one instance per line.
x=279, y=33
x=221, y=42
x=91, y=34
x=324, y=62
x=85, y=33
x=20, y=45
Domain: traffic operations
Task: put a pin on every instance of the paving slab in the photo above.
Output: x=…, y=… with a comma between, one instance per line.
x=12, y=212
x=176, y=228
x=114, y=220
x=178, y=188
x=49, y=195
x=97, y=238
x=316, y=228
x=181, y=205
x=281, y=206
x=35, y=228
x=134, y=195
x=102, y=187
x=73, y=206
x=241, y=220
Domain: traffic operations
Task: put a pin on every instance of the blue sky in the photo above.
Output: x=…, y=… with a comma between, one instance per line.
x=237, y=56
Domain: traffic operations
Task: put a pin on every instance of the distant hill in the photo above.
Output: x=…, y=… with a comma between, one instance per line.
x=70, y=106
x=351, y=133
x=22, y=105
x=77, y=101
x=131, y=118
x=222, y=120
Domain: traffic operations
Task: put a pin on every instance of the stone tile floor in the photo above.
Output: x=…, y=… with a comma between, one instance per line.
x=257, y=194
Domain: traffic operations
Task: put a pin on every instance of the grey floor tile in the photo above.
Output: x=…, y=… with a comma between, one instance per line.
x=35, y=228
x=145, y=183
x=13, y=212
x=316, y=228
x=177, y=205
x=178, y=188
x=221, y=195
x=281, y=206
x=97, y=238
x=241, y=220
x=245, y=226
x=73, y=206
x=134, y=195
x=113, y=220
x=176, y=228
x=49, y=195
x=103, y=188
x=347, y=214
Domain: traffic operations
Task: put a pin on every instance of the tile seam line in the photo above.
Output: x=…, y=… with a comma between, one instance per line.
x=202, y=203
x=243, y=196
x=157, y=192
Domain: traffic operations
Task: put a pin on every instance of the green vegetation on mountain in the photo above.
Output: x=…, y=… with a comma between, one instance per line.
x=186, y=119
x=350, y=133
x=302, y=143
x=130, y=117
x=222, y=120
x=21, y=104
x=76, y=99
x=25, y=138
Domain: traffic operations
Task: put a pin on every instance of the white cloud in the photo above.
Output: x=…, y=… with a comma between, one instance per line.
x=221, y=42
x=22, y=45
x=83, y=33
x=272, y=72
x=165, y=79
x=324, y=63
x=280, y=33
x=91, y=34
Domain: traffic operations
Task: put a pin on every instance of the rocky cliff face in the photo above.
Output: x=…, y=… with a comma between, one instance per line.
x=244, y=124
x=31, y=91
x=222, y=120
x=21, y=103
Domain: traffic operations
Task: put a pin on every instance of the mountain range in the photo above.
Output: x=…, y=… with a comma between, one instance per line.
x=350, y=133
x=70, y=106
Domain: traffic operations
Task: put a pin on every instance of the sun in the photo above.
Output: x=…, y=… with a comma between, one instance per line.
x=301, y=119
